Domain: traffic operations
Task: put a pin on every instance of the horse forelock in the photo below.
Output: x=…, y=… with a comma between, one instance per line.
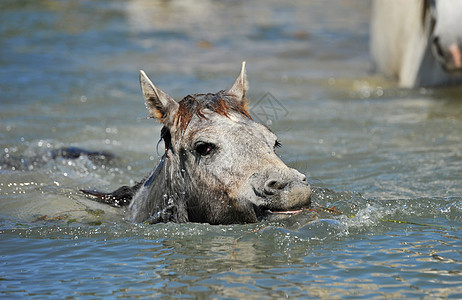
x=218, y=103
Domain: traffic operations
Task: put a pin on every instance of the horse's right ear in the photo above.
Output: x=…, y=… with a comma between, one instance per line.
x=159, y=104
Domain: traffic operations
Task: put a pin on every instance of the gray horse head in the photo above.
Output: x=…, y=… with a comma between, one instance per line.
x=220, y=165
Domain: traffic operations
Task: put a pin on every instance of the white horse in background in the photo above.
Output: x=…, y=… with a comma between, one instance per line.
x=418, y=41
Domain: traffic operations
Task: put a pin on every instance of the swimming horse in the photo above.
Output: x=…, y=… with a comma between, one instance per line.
x=219, y=165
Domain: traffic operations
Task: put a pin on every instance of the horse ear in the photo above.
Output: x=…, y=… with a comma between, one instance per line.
x=240, y=86
x=159, y=104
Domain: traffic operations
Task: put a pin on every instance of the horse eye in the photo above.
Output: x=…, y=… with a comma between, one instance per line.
x=277, y=144
x=204, y=149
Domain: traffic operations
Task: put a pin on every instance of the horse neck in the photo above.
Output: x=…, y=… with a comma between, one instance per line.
x=171, y=176
x=160, y=198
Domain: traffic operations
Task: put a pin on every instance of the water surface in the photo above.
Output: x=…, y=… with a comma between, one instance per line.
x=389, y=161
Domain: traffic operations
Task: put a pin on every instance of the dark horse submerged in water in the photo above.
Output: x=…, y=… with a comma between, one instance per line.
x=219, y=165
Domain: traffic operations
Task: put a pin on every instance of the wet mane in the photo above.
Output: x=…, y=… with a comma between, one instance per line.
x=219, y=103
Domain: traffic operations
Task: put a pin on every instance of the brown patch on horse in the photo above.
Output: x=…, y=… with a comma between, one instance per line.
x=188, y=107
x=217, y=103
x=155, y=113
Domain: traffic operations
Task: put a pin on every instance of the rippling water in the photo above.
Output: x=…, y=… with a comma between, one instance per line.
x=386, y=162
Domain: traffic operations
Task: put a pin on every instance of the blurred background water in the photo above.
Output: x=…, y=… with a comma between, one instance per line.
x=376, y=153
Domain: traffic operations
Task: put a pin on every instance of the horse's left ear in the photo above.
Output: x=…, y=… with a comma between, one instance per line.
x=159, y=104
x=239, y=87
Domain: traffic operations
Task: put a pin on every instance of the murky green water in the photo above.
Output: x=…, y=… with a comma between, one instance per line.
x=378, y=154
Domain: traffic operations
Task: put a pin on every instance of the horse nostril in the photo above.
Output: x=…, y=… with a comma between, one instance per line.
x=272, y=186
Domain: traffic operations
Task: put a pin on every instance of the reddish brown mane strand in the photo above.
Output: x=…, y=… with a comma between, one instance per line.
x=188, y=106
x=221, y=107
x=242, y=109
x=218, y=103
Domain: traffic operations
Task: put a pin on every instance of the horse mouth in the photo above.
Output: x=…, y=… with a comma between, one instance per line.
x=285, y=212
x=264, y=213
